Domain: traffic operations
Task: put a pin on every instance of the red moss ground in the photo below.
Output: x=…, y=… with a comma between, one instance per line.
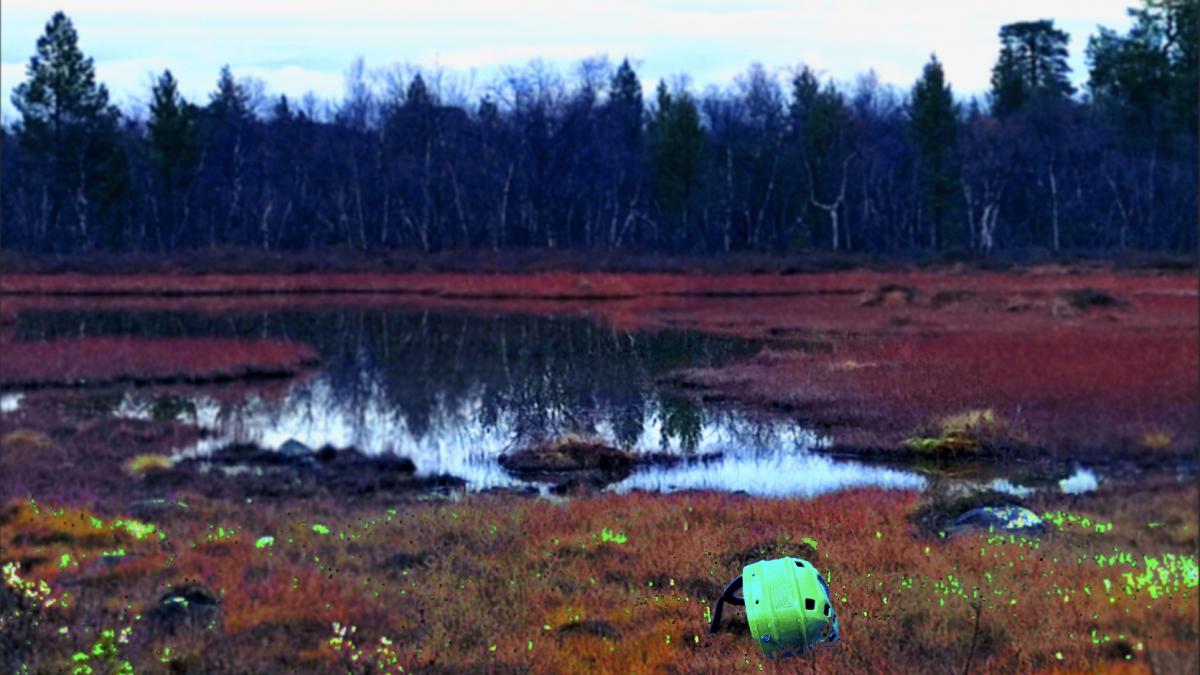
x=93, y=361
x=500, y=583
x=868, y=367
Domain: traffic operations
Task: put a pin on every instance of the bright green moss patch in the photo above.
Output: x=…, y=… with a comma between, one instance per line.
x=607, y=535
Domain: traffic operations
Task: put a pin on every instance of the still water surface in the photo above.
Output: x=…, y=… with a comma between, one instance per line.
x=454, y=392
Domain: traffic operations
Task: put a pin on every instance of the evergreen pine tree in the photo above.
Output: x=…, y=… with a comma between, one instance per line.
x=933, y=118
x=172, y=127
x=1032, y=66
x=678, y=137
x=230, y=102
x=1147, y=79
x=66, y=117
x=418, y=94
x=173, y=141
x=625, y=99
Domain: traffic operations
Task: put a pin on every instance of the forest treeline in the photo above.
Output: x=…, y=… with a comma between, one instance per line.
x=768, y=164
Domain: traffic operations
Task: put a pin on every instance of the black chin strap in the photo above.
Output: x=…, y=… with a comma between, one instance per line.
x=727, y=596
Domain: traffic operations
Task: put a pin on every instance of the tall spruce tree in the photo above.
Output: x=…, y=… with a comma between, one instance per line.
x=1032, y=66
x=1147, y=79
x=65, y=117
x=173, y=139
x=418, y=95
x=678, y=141
x=230, y=102
x=933, y=116
x=625, y=100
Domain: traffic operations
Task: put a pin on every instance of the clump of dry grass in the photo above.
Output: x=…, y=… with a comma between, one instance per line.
x=851, y=364
x=889, y=295
x=1157, y=440
x=973, y=432
x=25, y=439
x=142, y=465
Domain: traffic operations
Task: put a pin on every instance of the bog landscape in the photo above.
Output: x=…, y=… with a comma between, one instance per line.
x=409, y=382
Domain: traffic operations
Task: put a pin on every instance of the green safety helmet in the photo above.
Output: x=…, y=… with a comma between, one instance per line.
x=787, y=606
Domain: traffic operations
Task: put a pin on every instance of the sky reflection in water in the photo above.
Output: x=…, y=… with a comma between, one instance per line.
x=455, y=391
x=729, y=451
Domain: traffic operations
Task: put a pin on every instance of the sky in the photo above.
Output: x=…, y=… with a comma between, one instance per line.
x=296, y=47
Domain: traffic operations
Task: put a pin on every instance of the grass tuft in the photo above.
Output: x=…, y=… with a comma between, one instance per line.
x=973, y=432
x=25, y=439
x=1156, y=440
x=890, y=295
x=142, y=465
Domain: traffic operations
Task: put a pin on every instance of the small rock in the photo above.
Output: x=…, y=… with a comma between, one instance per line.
x=148, y=507
x=396, y=464
x=1009, y=517
x=189, y=606
x=568, y=454
x=294, y=448
x=511, y=491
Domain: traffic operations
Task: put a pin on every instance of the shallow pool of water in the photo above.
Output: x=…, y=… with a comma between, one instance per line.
x=455, y=391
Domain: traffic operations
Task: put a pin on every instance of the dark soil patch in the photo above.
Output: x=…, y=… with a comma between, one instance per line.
x=246, y=469
x=602, y=629
x=1084, y=299
x=947, y=297
x=769, y=550
x=404, y=560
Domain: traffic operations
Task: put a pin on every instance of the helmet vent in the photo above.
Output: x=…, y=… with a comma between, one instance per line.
x=799, y=563
x=826, y=608
x=810, y=604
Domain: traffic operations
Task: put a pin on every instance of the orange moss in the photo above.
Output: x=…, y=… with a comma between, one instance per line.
x=494, y=583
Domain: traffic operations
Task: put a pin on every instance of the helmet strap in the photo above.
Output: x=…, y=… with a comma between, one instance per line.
x=727, y=596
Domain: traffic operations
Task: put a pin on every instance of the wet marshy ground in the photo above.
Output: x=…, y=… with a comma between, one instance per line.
x=376, y=498
x=453, y=393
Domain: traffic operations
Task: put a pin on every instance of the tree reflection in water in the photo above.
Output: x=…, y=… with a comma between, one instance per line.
x=454, y=391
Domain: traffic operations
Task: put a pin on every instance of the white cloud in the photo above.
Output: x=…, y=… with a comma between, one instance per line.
x=483, y=57
x=296, y=46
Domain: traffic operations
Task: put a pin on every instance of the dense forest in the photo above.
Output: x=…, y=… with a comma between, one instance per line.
x=770, y=164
